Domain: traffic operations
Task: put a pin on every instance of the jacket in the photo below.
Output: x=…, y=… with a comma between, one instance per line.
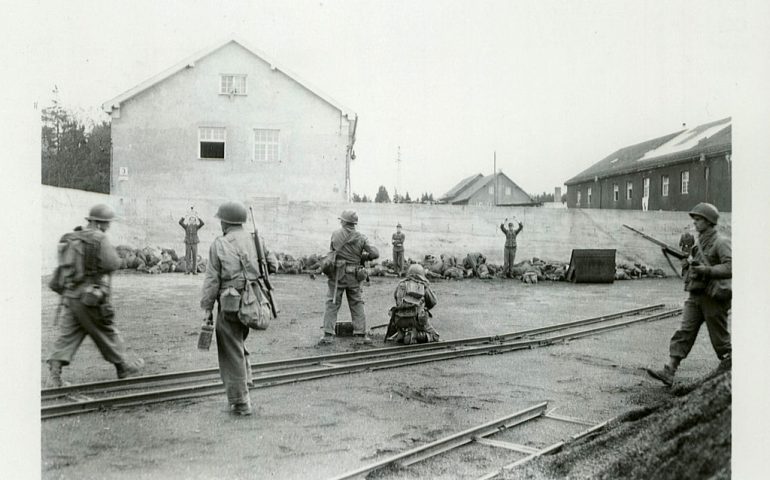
x=714, y=251
x=191, y=230
x=510, y=235
x=103, y=255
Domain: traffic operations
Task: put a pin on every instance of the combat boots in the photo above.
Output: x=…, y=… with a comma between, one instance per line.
x=54, y=374
x=363, y=339
x=665, y=375
x=129, y=369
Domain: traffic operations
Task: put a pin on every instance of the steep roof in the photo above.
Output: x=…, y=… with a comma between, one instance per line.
x=464, y=183
x=190, y=61
x=713, y=137
x=478, y=182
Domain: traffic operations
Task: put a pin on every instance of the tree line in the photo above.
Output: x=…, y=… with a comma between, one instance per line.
x=382, y=196
x=74, y=155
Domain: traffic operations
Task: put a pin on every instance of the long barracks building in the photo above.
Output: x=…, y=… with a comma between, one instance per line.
x=673, y=172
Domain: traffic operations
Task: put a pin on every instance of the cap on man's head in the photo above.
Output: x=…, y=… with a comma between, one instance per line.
x=398, y=226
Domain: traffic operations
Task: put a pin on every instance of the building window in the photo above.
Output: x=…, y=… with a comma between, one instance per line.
x=211, y=143
x=615, y=192
x=578, y=198
x=629, y=190
x=588, y=197
x=507, y=191
x=685, y=182
x=664, y=186
x=646, y=188
x=491, y=189
x=267, y=146
x=232, y=84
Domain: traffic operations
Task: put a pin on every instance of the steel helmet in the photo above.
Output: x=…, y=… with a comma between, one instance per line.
x=349, y=216
x=707, y=211
x=232, y=212
x=101, y=213
x=416, y=269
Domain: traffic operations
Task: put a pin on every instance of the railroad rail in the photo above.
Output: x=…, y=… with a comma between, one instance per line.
x=82, y=398
x=480, y=435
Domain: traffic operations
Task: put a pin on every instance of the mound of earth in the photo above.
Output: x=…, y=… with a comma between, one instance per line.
x=685, y=437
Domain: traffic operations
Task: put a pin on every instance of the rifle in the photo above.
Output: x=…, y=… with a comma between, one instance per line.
x=665, y=248
x=262, y=262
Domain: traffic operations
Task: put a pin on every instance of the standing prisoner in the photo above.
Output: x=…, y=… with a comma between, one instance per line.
x=191, y=224
x=398, y=250
x=509, y=252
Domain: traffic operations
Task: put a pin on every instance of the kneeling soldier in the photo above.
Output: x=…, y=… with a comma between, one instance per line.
x=409, y=318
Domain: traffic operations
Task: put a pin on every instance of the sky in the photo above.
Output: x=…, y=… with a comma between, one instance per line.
x=549, y=87
x=546, y=87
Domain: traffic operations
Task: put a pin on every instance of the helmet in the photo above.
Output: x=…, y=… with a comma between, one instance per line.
x=415, y=269
x=101, y=213
x=349, y=216
x=232, y=212
x=707, y=211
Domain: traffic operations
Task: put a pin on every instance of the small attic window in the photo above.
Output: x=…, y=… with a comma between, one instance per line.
x=230, y=84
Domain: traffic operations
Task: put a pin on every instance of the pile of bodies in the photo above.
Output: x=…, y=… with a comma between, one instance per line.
x=445, y=266
x=155, y=260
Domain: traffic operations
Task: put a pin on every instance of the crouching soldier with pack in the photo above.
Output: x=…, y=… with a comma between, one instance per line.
x=82, y=278
x=409, y=318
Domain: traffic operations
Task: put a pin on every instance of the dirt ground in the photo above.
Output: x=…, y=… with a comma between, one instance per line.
x=323, y=428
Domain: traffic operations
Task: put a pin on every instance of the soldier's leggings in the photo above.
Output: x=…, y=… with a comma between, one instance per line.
x=233, y=357
x=697, y=309
x=77, y=321
x=355, y=302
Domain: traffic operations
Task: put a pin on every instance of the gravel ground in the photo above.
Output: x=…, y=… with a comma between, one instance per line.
x=323, y=428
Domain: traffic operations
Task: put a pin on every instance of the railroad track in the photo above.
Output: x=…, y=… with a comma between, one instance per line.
x=82, y=398
x=481, y=435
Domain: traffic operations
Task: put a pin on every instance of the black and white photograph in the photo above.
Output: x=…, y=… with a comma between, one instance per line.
x=396, y=240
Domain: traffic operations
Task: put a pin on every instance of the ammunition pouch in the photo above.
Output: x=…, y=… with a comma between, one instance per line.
x=230, y=300
x=93, y=295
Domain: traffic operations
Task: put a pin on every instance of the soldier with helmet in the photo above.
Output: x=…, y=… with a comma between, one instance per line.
x=350, y=250
x=707, y=268
x=232, y=262
x=409, y=318
x=86, y=307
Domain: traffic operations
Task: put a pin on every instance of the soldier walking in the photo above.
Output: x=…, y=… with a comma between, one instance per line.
x=191, y=224
x=398, y=250
x=86, y=307
x=509, y=252
x=351, y=249
x=710, y=260
x=232, y=262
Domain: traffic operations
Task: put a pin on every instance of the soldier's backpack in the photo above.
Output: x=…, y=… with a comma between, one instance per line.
x=73, y=262
x=410, y=293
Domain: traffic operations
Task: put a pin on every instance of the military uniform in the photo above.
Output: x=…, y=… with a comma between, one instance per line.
x=79, y=320
x=409, y=318
x=191, y=243
x=232, y=262
x=398, y=251
x=472, y=262
x=509, y=252
x=350, y=246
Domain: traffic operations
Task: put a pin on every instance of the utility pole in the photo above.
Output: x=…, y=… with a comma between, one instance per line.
x=495, y=167
x=398, y=172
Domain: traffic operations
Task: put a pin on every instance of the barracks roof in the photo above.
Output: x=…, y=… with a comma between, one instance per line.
x=713, y=137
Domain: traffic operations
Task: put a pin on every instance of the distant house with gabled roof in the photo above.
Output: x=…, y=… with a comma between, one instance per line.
x=672, y=172
x=229, y=122
x=492, y=189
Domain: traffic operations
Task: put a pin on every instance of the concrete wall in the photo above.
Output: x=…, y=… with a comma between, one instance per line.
x=155, y=136
x=302, y=228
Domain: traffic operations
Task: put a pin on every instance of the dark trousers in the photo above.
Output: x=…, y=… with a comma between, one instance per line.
x=700, y=308
x=191, y=257
x=234, y=366
x=398, y=261
x=509, y=255
x=77, y=321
